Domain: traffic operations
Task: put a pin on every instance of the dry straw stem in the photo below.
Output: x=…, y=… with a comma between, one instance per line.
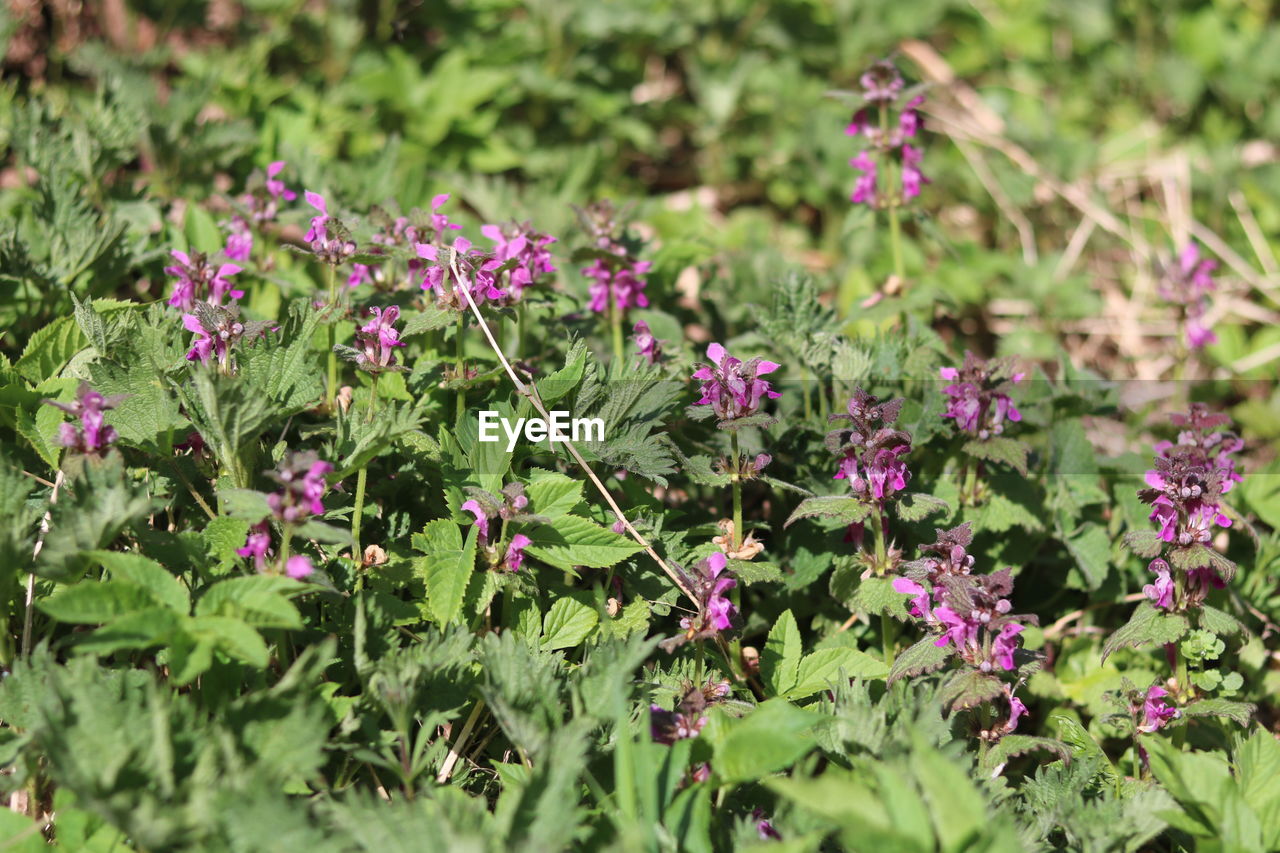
x=31, y=578
x=531, y=393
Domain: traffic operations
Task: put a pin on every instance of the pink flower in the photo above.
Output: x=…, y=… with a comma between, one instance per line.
x=514, y=558
x=960, y=632
x=912, y=177
x=1004, y=645
x=302, y=478
x=525, y=246
x=257, y=545
x=275, y=186
x=864, y=189
x=1156, y=712
x=199, y=280
x=731, y=387
x=1160, y=592
x=649, y=346
x=90, y=406
x=482, y=518
x=920, y=602
x=298, y=567
x=239, y=240
x=318, y=229
x=378, y=339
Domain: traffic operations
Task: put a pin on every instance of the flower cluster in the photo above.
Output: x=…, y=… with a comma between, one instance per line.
x=328, y=239
x=402, y=232
x=90, y=406
x=688, y=717
x=978, y=397
x=217, y=330
x=649, y=346
x=970, y=612
x=263, y=204
x=710, y=585
x=1185, y=488
x=1153, y=712
x=301, y=478
x=888, y=137
x=527, y=248
x=733, y=388
x=1187, y=284
x=257, y=545
x=870, y=449
x=510, y=505
x=199, y=280
x=376, y=341
x=617, y=276
x=479, y=273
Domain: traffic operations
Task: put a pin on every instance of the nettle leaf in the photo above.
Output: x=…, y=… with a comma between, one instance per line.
x=1145, y=543
x=575, y=541
x=96, y=602
x=1197, y=556
x=49, y=349
x=359, y=441
x=847, y=510
x=559, y=383
x=969, y=688
x=1147, y=625
x=280, y=366
x=222, y=536
x=141, y=629
x=552, y=494
x=750, y=572
x=232, y=636
x=567, y=624
x=1239, y=712
x=917, y=506
x=159, y=583
x=148, y=415
x=780, y=658
x=922, y=657
x=244, y=504
x=773, y=736
x=1083, y=745
x=1091, y=548
x=447, y=567
x=1006, y=451
x=257, y=600
x=429, y=319
x=827, y=667
x=876, y=596
x=1011, y=746
x=1220, y=623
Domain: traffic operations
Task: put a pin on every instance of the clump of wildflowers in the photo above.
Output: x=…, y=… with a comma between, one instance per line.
x=93, y=435
x=978, y=399
x=888, y=125
x=376, y=342
x=199, y=280
x=527, y=248
x=1187, y=284
x=731, y=387
x=217, y=330
x=478, y=274
x=870, y=448
x=301, y=476
x=710, y=583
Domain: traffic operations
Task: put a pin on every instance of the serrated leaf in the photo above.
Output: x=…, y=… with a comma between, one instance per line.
x=1220, y=623
x=245, y=504
x=844, y=509
x=142, y=629
x=1144, y=543
x=158, y=581
x=575, y=541
x=1197, y=556
x=567, y=624
x=773, y=736
x=968, y=688
x=1090, y=546
x=429, y=319
x=750, y=572
x=1006, y=451
x=555, y=385
x=917, y=506
x=1239, y=712
x=780, y=657
x=96, y=602
x=234, y=637
x=922, y=657
x=1147, y=625
x=222, y=536
x=1011, y=746
x=256, y=600
x=447, y=567
x=49, y=348
x=875, y=596
x=821, y=670
x=552, y=494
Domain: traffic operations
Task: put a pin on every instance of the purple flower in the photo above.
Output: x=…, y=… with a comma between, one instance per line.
x=476, y=270
x=959, y=631
x=871, y=447
x=649, y=346
x=514, y=558
x=328, y=239
x=864, y=189
x=912, y=178
x=302, y=480
x=1187, y=285
x=263, y=207
x=298, y=567
x=275, y=186
x=1160, y=592
x=318, y=229
x=978, y=397
x=920, y=596
x=377, y=339
x=527, y=247
x=764, y=828
x=257, y=545
x=667, y=727
x=198, y=280
x=710, y=585
x=881, y=83
x=90, y=406
x=622, y=280
x=482, y=519
x=1005, y=644
x=731, y=387
x=1017, y=710
x=439, y=221
x=1156, y=712
x=239, y=239
x=217, y=330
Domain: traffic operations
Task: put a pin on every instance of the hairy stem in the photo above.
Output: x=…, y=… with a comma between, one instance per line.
x=459, y=366
x=615, y=323
x=737, y=490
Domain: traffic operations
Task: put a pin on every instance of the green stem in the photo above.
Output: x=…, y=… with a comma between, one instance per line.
x=286, y=537
x=331, y=391
x=1180, y=672
x=459, y=363
x=888, y=637
x=615, y=322
x=891, y=193
x=737, y=490
x=877, y=519
x=357, y=514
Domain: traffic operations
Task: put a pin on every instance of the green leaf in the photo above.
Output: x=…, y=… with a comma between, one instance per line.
x=780, y=658
x=567, y=624
x=90, y=323
x=256, y=600
x=773, y=736
x=49, y=349
x=1144, y=543
x=447, y=567
x=750, y=572
x=244, y=504
x=159, y=583
x=958, y=810
x=574, y=541
x=429, y=319
x=820, y=670
x=557, y=384
x=222, y=536
x=844, y=509
x=917, y=506
x=968, y=688
x=552, y=494
x=1197, y=556
x=876, y=596
x=1239, y=712
x=924, y=656
x=96, y=602
x=1006, y=451
x=1220, y=623
x=1090, y=546
x=141, y=629
x=1147, y=625
x=1011, y=746
x=234, y=637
